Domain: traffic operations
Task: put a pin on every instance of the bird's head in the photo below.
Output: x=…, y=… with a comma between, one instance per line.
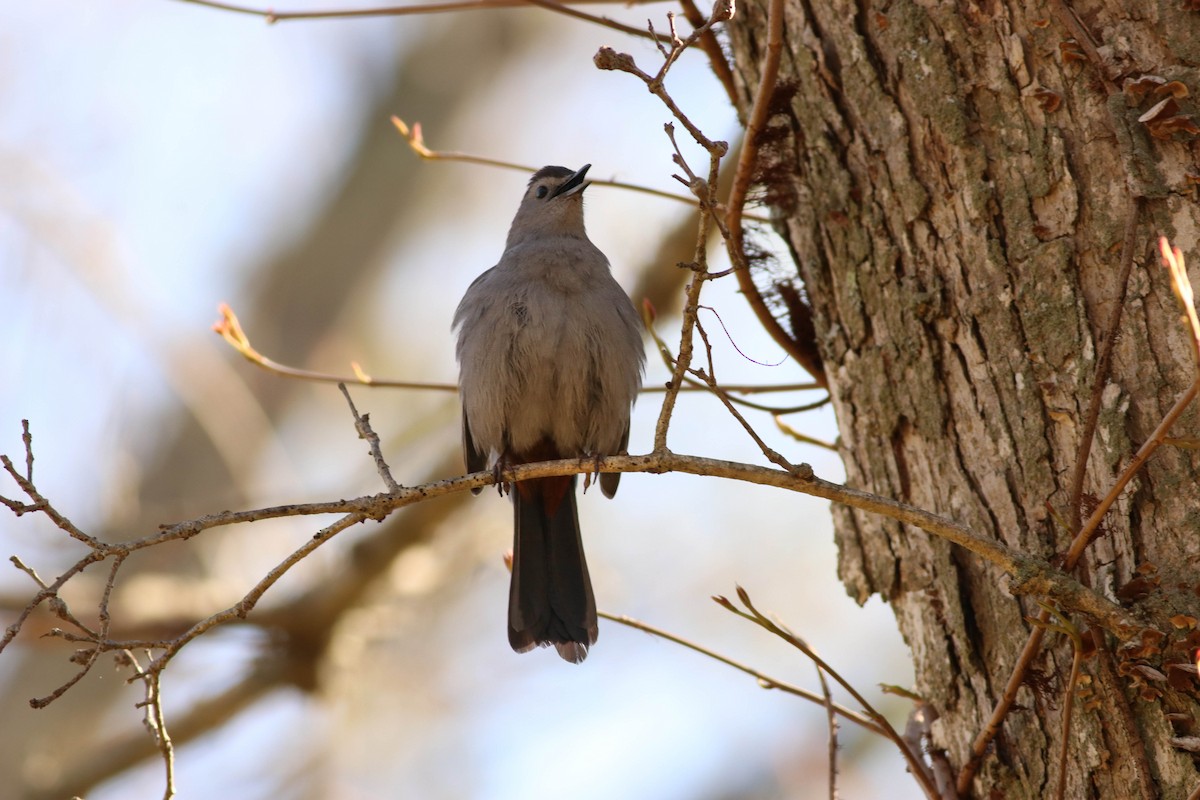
x=552, y=205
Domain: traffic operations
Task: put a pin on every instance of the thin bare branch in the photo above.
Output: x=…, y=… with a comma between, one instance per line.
x=916, y=766
x=774, y=456
x=605, y=22
x=1068, y=628
x=918, y=733
x=362, y=424
x=204, y=715
x=743, y=178
x=416, y=140
x=378, y=507
x=49, y=593
x=230, y=329
x=765, y=681
x=94, y=653
x=1103, y=363
x=19, y=564
x=272, y=16
x=755, y=124
x=710, y=213
x=41, y=504
x=607, y=58
x=832, y=724
x=240, y=610
x=712, y=48
x=803, y=437
x=156, y=722
x=27, y=440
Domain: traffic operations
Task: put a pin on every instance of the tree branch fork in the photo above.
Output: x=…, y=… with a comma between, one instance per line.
x=1029, y=574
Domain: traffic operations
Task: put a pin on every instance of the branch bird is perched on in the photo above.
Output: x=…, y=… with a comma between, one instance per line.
x=550, y=361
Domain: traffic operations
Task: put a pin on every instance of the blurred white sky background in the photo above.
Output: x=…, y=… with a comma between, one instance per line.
x=151, y=154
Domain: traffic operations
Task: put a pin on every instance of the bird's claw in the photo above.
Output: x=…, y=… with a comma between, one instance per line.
x=595, y=471
x=498, y=475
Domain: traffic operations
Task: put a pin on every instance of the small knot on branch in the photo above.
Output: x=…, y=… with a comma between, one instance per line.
x=607, y=58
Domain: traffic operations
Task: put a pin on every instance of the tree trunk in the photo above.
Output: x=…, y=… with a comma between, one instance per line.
x=955, y=182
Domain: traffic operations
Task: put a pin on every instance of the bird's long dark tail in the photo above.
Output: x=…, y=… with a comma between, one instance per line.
x=550, y=599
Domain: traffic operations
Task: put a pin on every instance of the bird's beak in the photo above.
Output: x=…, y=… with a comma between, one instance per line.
x=574, y=184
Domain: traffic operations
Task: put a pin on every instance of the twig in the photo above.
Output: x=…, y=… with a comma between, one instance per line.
x=765, y=681
x=102, y=635
x=49, y=593
x=803, y=437
x=1068, y=629
x=299, y=629
x=832, y=724
x=380, y=506
x=1103, y=362
x=717, y=389
x=362, y=424
x=736, y=203
x=678, y=366
x=41, y=504
x=156, y=722
x=1088, y=531
x=605, y=22
x=1025, y=568
x=772, y=455
x=608, y=59
x=699, y=267
x=416, y=140
x=658, y=40
x=919, y=769
x=386, y=11
x=979, y=747
x=229, y=328
x=755, y=124
x=918, y=733
x=19, y=564
x=27, y=440
x=203, y=715
x=692, y=384
x=712, y=48
x=685, y=345
x=247, y=603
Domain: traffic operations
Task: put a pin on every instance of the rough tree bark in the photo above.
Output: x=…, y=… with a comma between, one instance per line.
x=955, y=182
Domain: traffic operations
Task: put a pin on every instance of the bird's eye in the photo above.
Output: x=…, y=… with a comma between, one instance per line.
x=541, y=192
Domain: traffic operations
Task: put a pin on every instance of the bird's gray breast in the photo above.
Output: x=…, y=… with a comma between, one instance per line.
x=536, y=345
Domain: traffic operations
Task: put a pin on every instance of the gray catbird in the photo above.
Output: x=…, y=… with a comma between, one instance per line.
x=550, y=360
